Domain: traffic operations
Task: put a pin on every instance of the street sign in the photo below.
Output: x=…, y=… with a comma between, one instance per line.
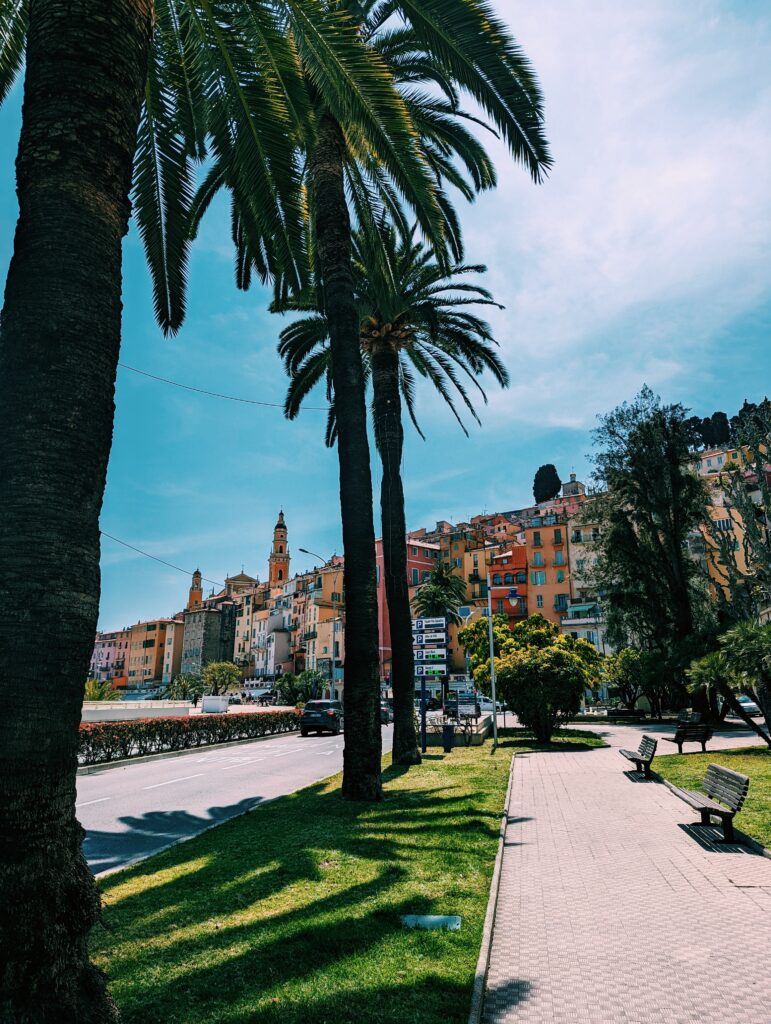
x=419, y=625
x=431, y=654
x=432, y=670
x=429, y=638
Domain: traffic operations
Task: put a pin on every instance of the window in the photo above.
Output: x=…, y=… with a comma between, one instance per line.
x=508, y=578
x=499, y=604
x=560, y=576
x=538, y=578
x=414, y=551
x=426, y=575
x=580, y=564
x=559, y=558
x=415, y=578
x=537, y=558
x=577, y=538
x=476, y=561
x=521, y=577
x=497, y=580
x=720, y=460
x=558, y=536
x=281, y=549
x=377, y=575
x=336, y=597
x=539, y=601
x=734, y=455
x=281, y=574
x=536, y=538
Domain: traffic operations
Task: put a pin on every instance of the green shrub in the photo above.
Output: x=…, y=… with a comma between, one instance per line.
x=111, y=741
x=542, y=686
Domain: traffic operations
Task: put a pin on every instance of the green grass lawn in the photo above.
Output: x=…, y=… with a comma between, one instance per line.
x=687, y=771
x=291, y=913
x=521, y=741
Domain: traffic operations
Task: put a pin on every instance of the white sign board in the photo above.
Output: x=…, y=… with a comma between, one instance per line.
x=420, y=625
x=429, y=638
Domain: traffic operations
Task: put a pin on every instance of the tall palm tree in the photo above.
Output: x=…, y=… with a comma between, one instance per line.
x=458, y=47
x=140, y=88
x=441, y=595
x=414, y=316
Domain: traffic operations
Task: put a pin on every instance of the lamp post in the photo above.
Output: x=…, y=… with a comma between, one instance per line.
x=335, y=619
x=492, y=660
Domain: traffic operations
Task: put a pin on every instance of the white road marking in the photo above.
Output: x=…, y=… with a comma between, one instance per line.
x=85, y=803
x=250, y=760
x=285, y=754
x=184, y=778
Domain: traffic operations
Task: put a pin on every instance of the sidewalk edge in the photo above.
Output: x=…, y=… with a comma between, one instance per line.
x=483, y=963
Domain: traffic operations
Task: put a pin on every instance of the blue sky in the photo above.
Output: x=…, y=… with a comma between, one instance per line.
x=644, y=258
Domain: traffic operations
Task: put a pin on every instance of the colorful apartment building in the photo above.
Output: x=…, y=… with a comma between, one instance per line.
x=547, y=566
x=147, y=644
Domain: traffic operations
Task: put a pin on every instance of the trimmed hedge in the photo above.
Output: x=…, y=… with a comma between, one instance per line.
x=111, y=741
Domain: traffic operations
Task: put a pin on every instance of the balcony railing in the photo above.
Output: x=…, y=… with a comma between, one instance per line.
x=309, y=634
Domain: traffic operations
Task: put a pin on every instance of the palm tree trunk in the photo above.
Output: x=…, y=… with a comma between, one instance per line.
x=363, y=749
x=59, y=341
x=389, y=437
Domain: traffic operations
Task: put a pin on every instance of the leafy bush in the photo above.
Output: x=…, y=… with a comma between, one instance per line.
x=111, y=741
x=543, y=686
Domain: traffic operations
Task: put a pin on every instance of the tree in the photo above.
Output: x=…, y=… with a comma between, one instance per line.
x=100, y=689
x=654, y=596
x=747, y=652
x=711, y=676
x=90, y=76
x=546, y=483
x=624, y=671
x=220, y=677
x=185, y=686
x=414, y=316
x=297, y=689
x=543, y=686
x=475, y=639
x=441, y=595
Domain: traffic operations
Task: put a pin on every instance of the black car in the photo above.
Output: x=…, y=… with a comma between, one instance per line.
x=322, y=716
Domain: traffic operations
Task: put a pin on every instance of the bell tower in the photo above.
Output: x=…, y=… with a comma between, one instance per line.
x=278, y=562
x=195, y=597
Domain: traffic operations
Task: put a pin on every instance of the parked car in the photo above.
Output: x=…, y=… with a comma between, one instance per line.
x=748, y=706
x=322, y=716
x=386, y=714
x=234, y=699
x=486, y=704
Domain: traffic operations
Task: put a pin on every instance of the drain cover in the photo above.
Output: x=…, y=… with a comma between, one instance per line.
x=432, y=922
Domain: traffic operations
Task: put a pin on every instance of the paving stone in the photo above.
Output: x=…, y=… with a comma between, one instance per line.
x=612, y=908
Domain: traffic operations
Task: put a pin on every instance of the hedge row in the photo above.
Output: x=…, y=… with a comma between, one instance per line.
x=111, y=741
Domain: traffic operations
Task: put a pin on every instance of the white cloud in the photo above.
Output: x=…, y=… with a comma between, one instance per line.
x=653, y=230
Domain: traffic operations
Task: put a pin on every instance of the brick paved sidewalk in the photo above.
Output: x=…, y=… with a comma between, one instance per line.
x=612, y=909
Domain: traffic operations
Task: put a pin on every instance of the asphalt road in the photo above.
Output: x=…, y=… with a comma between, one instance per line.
x=132, y=812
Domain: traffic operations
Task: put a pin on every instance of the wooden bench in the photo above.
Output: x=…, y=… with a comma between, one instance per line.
x=691, y=734
x=688, y=717
x=625, y=716
x=643, y=756
x=722, y=784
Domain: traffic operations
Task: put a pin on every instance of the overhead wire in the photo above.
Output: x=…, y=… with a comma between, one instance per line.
x=155, y=558
x=215, y=394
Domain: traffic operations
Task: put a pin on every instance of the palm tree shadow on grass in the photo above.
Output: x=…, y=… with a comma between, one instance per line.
x=213, y=966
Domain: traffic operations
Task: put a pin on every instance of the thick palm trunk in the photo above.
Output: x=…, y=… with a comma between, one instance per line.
x=59, y=340
x=362, y=753
x=389, y=437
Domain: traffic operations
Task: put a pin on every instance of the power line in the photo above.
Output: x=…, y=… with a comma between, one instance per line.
x=215, y=394
x=155, y=558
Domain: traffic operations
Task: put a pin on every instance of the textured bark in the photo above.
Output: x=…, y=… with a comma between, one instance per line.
x=363, y=748
x=389, y=437
x=59, y=341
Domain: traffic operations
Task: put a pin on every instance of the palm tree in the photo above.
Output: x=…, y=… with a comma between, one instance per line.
x=441, y=595
x=413, y=315
x=143, y=88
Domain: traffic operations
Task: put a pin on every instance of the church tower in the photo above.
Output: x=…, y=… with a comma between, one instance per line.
x=195, y=597
x=278, y=562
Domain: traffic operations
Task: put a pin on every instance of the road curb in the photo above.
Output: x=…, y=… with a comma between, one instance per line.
x=742, y=837
x=483, y=963
x=94, y=769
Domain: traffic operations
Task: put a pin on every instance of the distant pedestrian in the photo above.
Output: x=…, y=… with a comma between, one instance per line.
x=195, y=700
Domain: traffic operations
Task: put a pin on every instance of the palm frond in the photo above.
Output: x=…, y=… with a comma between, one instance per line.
x=14, y=16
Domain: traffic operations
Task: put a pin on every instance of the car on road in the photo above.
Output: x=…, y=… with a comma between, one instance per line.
x=322, y=716
x=386, y=713
x=748, y=706
x=486, y=704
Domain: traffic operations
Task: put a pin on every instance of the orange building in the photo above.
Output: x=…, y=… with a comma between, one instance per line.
x=547, y=566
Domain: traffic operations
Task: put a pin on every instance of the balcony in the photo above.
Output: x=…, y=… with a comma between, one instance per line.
x=309, y=634
x=474, y=577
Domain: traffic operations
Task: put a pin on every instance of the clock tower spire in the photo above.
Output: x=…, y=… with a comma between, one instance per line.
x=278, y=562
